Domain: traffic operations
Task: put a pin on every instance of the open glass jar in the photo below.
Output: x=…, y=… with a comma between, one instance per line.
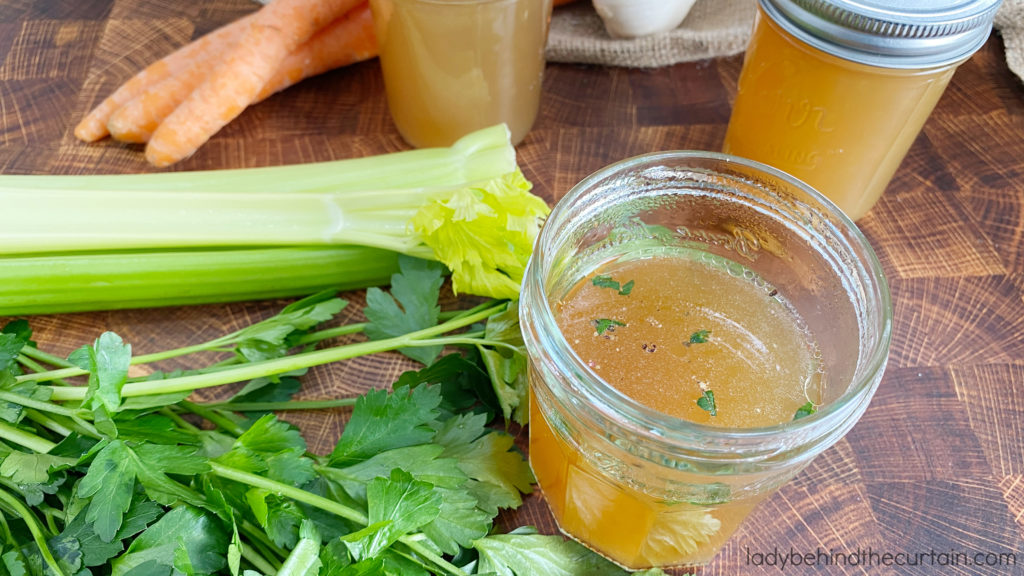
x=640, y=486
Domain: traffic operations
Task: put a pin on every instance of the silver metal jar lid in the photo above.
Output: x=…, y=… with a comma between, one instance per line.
x=889, y=33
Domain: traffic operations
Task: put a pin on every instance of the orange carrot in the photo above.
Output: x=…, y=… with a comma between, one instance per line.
x=277, y=30
x=136, y=120
x=94, y=125
x=344, y=41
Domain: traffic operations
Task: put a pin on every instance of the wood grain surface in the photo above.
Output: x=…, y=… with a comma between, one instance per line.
x=936, y=465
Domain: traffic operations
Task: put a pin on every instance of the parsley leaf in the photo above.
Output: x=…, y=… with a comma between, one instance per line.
x=411, y=306
x=707, y=403
x=487, y=456
x=397, y=506
x=459, y=523
x=423, y=461
x=805, y=410
x=507, y=367
x=14, y=336
x=14, y=562
x=152, y=553
x=382, y=421
x=603, y=325
x=110, y=480
x=273, y=337
x=605, y=281
x=24, y=468
x=465, y=386
x=79, y=539
x=525, y=554
x=700, y=337
x=274, y=447
x=107, y=361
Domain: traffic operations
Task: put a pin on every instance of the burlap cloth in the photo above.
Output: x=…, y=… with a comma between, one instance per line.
x=712, y=28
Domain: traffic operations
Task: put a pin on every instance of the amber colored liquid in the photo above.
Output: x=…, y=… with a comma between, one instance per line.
x=454, y=66
x=758, y=360
x=842, y=127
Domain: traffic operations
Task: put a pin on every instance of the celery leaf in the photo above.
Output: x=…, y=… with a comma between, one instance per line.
x=484, y=233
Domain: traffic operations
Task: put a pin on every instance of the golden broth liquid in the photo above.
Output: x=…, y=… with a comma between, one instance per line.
x=839, y=126
x=681, y=328
x=454, y=66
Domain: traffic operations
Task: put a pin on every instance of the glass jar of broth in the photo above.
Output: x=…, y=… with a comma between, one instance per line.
x=699, y=327
x=834, y=92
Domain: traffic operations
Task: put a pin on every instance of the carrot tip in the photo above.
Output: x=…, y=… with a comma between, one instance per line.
x=90, y=130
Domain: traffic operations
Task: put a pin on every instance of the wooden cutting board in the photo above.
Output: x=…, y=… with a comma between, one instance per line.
x=936, y=465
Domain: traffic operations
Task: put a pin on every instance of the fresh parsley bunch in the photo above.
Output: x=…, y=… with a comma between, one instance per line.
x=122, y=477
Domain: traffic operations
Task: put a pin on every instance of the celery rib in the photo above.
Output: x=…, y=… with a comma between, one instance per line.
x=96, y=242
x=78, y=282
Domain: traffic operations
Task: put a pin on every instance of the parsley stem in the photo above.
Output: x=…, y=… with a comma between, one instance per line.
x=211, y=415
x=356, y=328
x=328, y=333
x=181, y=422
x=33, y=527
x=326, y=505
x=427, y=553
x=48, y=423
x=281, y=365
x=286, y=405
x=42, y=356
x=37, y=367
x=68, y=370
x=464, y=339
x=258, y=561
x=289, y=491
x=35, y=404
x=26, y=439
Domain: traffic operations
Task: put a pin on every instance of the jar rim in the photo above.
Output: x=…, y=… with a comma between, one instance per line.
x=661, y=427
x=889, y=33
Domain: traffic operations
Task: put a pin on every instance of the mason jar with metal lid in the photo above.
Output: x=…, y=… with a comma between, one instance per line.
x=834, y=92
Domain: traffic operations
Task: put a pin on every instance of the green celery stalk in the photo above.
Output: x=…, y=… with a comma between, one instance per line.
x=474, y=157
x=76, y=243
x=101, y=281
x=366, y=201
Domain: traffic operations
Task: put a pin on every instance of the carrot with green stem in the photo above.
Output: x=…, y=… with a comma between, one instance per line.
x=277, y=30
x=344, y=41
x=94, y=125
